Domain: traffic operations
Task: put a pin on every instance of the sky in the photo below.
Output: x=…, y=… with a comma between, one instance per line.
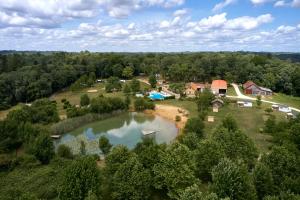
x=150, y=25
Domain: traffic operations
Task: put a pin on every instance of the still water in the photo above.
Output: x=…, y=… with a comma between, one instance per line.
x=125, y=129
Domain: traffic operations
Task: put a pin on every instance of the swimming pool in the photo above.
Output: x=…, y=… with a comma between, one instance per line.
x=156, y=96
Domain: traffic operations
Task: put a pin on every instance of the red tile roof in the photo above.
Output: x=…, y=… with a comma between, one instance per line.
x=219, y=84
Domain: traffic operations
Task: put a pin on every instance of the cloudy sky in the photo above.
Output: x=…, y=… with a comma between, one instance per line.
x=150, y=25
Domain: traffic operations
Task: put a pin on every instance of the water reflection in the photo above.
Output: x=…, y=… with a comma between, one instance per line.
x=125, y=129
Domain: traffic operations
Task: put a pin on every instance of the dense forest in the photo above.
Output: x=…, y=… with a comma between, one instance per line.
x=25, y=77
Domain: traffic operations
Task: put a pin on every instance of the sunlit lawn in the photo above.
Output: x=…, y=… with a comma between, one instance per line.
x=285, y=99
x=250, y=121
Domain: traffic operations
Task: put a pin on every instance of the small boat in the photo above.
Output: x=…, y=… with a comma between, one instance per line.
x=55, y=136
x=148, y=132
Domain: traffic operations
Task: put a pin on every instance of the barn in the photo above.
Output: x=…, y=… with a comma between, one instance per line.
x=251, y=88
x=219, y=87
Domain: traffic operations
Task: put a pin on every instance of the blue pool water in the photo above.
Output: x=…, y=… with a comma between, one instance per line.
x=156, y=96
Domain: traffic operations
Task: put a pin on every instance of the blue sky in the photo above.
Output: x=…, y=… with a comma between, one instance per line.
x=150, y=25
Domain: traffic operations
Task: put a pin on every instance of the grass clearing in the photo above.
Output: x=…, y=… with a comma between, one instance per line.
x=231, y=91
x=284, y=99
x=249, y=120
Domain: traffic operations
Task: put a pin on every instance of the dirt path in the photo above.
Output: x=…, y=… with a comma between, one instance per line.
x=170, y=112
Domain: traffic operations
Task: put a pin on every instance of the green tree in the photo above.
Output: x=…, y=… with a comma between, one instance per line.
x=127, y=72
x=166, y=173
x=84, y=100
x=42, y=148
x=207, y=155
x=152, y=80
x=282, y=163
x=113, y=84
x=258, y=101
x=147, y=152
x=118, y=155
x=64, y=151
x=236, y=145
x=131, y=181
x=141, y=104
x=232, y=180
x=270, y=124
x=135, y=85
x=230, y=123
x=295, y=134
x=194, y=193
x=204, y=100
x=81, y=177
x=190, y=139
x=104, y=145
x=126, y=90
x=82, y=148
x=263, y=180
x=195, y=125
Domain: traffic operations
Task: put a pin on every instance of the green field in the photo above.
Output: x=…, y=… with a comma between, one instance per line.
x=285, y=99
x=250, y=120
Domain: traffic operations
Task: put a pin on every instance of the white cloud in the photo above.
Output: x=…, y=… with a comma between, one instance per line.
x=247, y=22
x=280, y=4
x=259, y=2
x=286, y=29
x=180, y=12
x=52, y=13
x=223, y=4
x=220, y=21
x=296, y=3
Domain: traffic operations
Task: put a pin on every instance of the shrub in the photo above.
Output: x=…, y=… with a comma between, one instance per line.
x=177, y=118
x=64, y=151
x=141, y=104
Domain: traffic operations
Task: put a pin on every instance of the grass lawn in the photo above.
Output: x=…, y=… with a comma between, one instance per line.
x=250, y=120
x=231, y=91
x=285, y=99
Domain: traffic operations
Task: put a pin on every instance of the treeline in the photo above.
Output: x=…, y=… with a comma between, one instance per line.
x=26, y=77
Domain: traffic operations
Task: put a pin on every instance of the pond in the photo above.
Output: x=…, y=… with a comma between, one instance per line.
x=125, y=129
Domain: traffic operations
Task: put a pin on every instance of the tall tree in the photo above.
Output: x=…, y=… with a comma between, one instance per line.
x=131, y=181
x=42, y=148
x=104, y=145
x=79, y=179
x=84, y=100
x=152, y=80
x=232, y=180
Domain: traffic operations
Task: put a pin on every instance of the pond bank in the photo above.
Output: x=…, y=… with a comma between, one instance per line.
x=170, y=112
